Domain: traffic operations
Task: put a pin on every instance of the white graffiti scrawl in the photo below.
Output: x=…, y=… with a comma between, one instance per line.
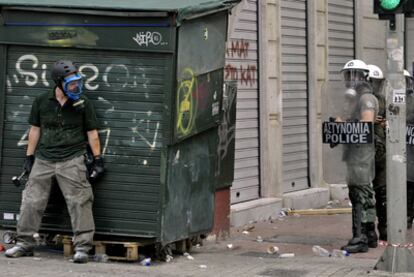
x=30, y=78
x=31, y=72
x=104, y=78
x=148, y=38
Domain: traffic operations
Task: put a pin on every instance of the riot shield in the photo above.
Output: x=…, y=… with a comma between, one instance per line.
x=410, y=135
x=334, y=169
x=345, y=123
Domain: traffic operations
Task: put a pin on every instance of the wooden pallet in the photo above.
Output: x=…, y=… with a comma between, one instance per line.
x=321, y=211
x=129, y=253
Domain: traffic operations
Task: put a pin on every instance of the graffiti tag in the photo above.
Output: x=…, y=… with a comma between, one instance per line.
x=114, y=76
x=187, y=102
x=148, y=38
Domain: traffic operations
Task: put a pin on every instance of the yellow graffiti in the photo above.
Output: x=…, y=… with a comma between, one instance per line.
x=186, y=102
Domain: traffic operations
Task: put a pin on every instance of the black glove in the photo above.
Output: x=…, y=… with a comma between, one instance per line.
x=28, y=163
x=97, y=168
x=332, y=145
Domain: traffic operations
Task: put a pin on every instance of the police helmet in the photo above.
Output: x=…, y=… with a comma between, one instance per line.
x=375, y=72
x=356, y=65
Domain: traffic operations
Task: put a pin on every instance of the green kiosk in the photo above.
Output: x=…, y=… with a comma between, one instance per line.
x=154, y=71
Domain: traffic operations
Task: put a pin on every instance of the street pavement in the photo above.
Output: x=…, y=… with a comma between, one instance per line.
x=243, y=254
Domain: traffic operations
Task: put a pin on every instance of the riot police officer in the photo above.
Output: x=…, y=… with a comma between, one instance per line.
x=377, y=81
x=410, y=147
x=360, y=158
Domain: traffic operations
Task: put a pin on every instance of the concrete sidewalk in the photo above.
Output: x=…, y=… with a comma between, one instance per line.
x=247, y=257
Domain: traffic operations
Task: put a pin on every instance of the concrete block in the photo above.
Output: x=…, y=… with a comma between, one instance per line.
x=256, y=210
x=306, y=199
x=339, y=192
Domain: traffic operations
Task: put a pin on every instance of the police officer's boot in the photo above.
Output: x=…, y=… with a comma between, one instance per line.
x=381, y=207
x=382, y=231
x=359, y=241
x=353, y=228
x=410, y=200
x=369, y=230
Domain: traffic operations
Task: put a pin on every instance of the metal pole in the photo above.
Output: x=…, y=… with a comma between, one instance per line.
x=396, y=257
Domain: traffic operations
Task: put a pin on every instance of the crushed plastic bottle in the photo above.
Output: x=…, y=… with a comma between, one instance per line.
x=188, y=256
x=146, y=262
x=339, y=253
x=101, y=258
x=169, y=258
x=320, y=251
x=287, y=255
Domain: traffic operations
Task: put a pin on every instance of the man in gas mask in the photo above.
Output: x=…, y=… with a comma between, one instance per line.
x=62, y=122
x=377, y=81
x=361, y=106
x=410, y=147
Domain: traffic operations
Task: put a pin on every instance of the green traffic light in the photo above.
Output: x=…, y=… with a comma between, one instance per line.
x=389, y=4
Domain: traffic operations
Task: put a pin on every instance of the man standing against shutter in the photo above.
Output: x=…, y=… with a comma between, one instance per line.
x=62, y=122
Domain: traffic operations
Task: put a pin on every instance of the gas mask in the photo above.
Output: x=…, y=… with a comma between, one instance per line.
x=377, y=86
x=73, y=86
x=353, y=78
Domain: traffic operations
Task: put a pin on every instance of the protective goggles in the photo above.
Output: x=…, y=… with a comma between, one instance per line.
x=73, y=86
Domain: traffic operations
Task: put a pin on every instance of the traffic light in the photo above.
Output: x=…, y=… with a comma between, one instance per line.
x=387, y=9
x=384, y=8
x=388, y=6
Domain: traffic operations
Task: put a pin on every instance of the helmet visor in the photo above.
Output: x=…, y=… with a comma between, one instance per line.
x=73, y=86
x=377, y=86
x=353, y=77
x=409, y=84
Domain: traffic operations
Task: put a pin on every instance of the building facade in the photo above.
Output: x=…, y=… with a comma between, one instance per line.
x=286, y=56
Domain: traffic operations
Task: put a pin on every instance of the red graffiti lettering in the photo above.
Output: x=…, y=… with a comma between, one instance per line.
x=231, y=73
x=245, y=75
x=239, y=48
x=248, y=75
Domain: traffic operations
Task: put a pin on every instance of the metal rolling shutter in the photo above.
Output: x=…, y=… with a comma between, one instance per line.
x=242, y=66
x=295, y=95
x=409, y=44
x=340, y=35
x=340, y=50
x=128, y=94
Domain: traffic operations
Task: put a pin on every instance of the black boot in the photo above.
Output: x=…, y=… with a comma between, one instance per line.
x=382, y=230
x=359, y=241
x=351, y=241
x=381, y=207
x=369, y=230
